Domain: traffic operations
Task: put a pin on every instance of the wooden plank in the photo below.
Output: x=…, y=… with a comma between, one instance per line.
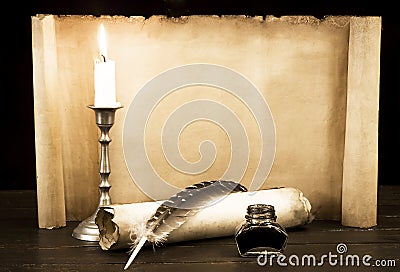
x=12, y=199
x=389, y=195
x=210, y=256
x=25, y=247
x=58, y=246
x=192, y=267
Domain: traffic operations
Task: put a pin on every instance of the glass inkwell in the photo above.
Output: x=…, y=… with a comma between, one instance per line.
x=260, y=234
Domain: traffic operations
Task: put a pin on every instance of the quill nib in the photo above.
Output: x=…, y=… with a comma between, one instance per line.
x=135, y=252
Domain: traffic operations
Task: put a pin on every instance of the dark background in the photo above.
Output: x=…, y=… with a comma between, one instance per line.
x=18, y=163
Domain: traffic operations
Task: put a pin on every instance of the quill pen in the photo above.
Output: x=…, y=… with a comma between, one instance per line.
x=175, y=211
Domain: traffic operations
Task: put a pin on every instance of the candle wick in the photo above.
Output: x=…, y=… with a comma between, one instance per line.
x=103, y=57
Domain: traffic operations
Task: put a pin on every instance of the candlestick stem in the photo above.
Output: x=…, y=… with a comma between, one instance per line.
x=88, y=230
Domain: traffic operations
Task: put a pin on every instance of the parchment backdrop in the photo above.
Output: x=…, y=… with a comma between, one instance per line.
x=319, y=78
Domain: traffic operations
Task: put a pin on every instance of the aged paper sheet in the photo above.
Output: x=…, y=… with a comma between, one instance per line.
x=299, y=66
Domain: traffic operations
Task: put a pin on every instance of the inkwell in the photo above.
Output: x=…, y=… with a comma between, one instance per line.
x=260, y=234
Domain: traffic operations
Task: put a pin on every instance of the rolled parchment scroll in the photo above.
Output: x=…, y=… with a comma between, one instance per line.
x=118, y=222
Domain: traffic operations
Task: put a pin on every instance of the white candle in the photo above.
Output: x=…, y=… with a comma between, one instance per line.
x=104, y=76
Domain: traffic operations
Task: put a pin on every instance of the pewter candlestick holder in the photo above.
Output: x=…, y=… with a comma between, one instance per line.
x=87, y=230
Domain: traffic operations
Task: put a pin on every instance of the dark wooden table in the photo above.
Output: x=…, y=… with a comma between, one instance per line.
x=25, y=247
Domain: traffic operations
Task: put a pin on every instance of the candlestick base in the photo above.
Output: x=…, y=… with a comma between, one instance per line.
x=87, y=230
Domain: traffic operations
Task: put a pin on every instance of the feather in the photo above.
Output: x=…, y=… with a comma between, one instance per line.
x=175, y=211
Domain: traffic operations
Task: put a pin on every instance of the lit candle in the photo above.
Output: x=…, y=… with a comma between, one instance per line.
x=104, y=76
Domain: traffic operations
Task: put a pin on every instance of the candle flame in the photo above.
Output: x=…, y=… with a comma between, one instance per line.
x=102, y=43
